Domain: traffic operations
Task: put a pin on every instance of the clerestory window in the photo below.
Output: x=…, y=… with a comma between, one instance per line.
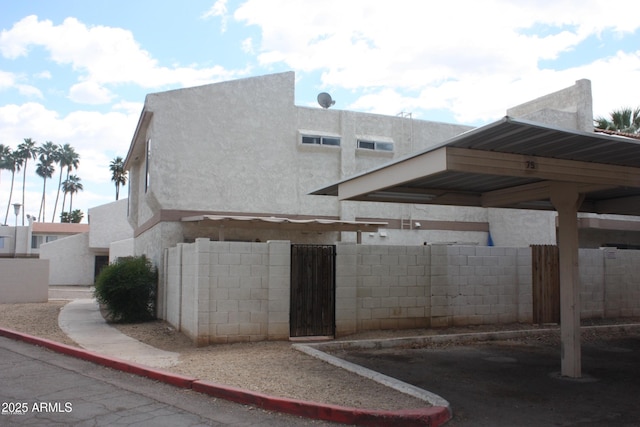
x=375, y=145
x=321, y=140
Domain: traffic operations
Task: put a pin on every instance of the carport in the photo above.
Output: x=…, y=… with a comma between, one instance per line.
x=518, y=164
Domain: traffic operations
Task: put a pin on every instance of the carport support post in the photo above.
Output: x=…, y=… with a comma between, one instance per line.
x=566, y=200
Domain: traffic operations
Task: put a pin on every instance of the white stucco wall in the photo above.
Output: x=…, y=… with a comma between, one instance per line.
x=121, y=248
x=23, y=280
x=70, y=260
x=108, y=223
x=571, y=107
x=15, y=240
x=521, y=227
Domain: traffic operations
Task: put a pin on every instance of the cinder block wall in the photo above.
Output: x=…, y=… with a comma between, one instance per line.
x=391, y=288
x=219, y=292
x=474, y=285
x=621, y=283
x=592, y=283
x=233, y=291
x=187, y=304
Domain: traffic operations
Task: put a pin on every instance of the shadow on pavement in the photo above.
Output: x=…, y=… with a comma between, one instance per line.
x=518, y=383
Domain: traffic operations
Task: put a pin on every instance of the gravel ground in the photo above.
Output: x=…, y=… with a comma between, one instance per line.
x=273, y=368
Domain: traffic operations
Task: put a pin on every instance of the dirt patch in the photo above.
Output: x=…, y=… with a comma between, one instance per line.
x=38, y=319
x=273, y=368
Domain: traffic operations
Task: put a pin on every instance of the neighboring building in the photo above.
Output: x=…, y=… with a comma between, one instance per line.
x=77, y=259
x=25, y=241
x=14, y=241
x=47, y=232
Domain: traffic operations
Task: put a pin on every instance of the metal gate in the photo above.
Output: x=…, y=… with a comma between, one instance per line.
x=546, y=283
x=313, y=277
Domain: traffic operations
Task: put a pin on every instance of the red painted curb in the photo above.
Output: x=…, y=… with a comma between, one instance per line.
x=431, y=416
x=111, y=362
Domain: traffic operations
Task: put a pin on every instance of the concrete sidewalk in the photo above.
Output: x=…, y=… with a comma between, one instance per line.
x=82, y=321
x=102, y=344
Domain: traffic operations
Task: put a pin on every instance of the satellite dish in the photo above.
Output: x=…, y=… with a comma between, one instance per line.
x=325, y=101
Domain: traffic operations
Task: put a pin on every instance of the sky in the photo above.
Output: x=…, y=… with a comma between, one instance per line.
x=77, y=72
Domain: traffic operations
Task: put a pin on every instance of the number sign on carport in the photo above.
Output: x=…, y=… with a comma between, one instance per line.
x=524, y=165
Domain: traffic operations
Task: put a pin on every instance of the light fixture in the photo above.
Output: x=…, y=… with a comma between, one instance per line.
x=16, y=209
x=383, y=234
x=417, y=224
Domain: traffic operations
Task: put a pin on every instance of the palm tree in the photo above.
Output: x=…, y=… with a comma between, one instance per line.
x=71, y=185
x=625, y=120
x=13, y=163
x=74, y=217
x=118, y=174
x=70, y=160
x=5, y=151
x=27, y=150
x=48, y=154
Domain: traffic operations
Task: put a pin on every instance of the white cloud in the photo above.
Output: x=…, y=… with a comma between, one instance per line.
x=7, y=79
x=130, y=108
x=90, y=93
x=87, y=131
x=11, y=81
x=46, y=75
x=96, y=137
x=219, y=9
x=101, y=55
x=247, y=46
x=430, y=55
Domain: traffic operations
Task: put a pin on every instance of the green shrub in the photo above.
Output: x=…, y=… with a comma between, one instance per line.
x=126, y=288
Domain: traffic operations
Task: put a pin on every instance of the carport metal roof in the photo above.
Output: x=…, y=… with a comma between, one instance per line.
x=509, y=163
x=515, y=163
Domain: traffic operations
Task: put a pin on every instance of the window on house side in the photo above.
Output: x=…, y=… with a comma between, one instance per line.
x=321, y=140
x=146, y=165
x=375, y=145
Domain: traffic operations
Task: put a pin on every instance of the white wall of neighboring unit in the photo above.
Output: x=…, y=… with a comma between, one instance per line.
x=71, y=262
x=108, y=223
x=24, y=281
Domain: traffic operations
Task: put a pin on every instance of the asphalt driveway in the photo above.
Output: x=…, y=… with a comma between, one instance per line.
x=517, y=383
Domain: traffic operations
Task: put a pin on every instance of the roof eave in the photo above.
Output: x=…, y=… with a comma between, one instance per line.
x=135, y=147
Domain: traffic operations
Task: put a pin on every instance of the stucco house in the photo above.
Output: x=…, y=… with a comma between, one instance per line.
x=243, y=149
x=220, y=178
